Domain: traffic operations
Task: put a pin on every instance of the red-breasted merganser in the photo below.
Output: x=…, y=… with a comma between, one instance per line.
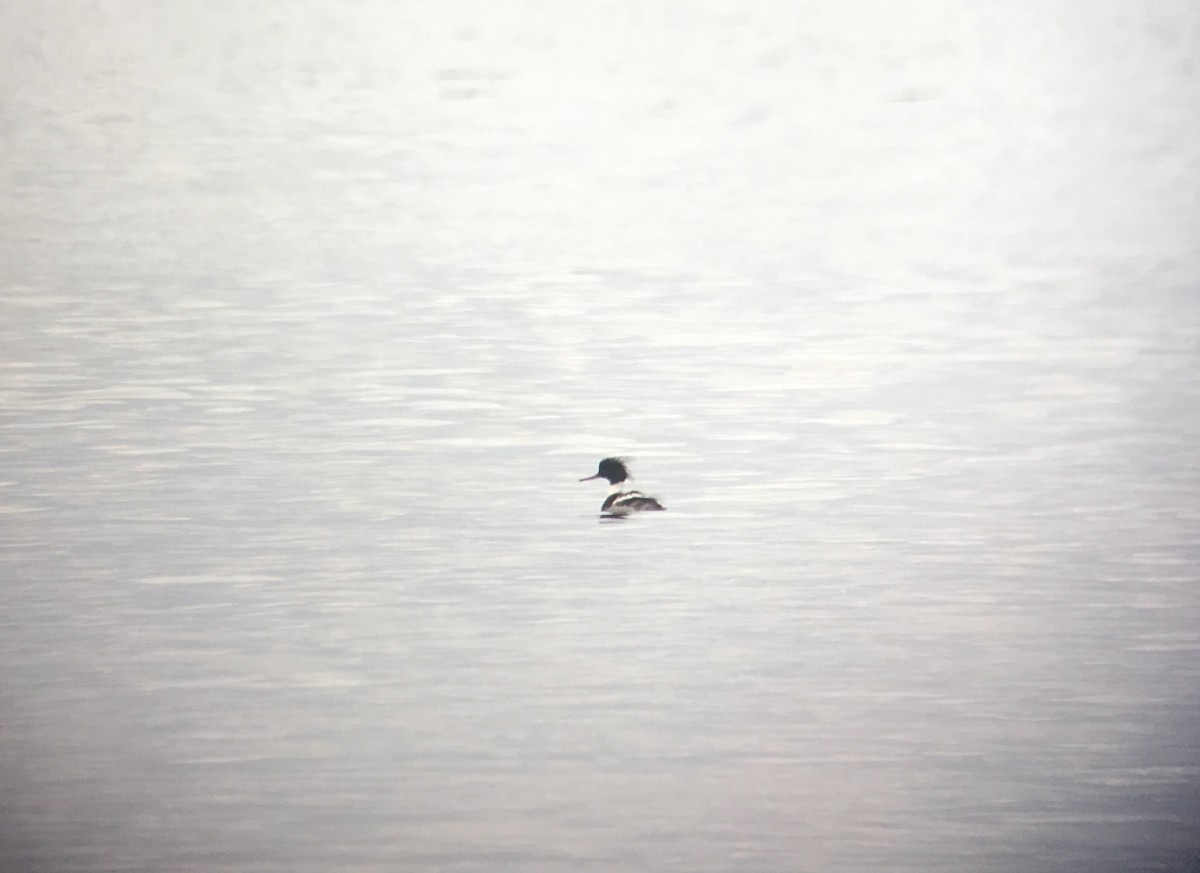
x=621, y=502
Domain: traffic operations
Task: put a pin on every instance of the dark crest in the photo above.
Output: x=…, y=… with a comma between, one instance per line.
x=612, y=469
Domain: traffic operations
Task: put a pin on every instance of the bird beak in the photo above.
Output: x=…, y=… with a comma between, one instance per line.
x=589, y=478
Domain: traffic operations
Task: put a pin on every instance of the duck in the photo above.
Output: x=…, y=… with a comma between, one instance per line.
x=619, y=501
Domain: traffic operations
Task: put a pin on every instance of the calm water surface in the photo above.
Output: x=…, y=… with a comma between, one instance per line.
x=311, y=316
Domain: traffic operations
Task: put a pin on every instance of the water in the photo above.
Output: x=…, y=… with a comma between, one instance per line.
x=313, y=315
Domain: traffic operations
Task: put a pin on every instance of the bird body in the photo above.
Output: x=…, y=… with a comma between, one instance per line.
x=619, y=501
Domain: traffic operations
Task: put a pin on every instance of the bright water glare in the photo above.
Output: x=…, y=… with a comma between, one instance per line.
x=312, y=315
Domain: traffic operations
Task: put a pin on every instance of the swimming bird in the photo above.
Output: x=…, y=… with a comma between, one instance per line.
x=621, y=502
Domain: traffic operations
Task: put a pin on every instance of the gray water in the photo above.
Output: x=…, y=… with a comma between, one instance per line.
x=313, y=314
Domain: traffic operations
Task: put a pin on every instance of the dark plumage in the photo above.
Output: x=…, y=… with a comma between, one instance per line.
x=621, y=502
x=612, y=469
